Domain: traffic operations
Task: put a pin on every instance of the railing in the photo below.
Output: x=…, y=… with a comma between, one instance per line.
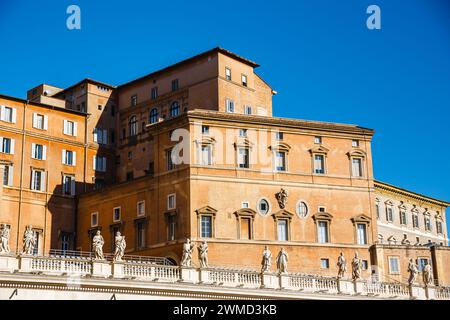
x=443, y=293
x=386, y=289
x=57, y=265
x=170, y=273
x=229, y=277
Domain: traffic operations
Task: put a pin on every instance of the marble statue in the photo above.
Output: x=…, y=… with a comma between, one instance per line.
x=97, y=246
x=186, y=259
x=428, y=274
x=413, y=270
x=266, y=260
x=282, y=260
x=4, y=239
x=29, y=240
x=342, y=266
x=282, y=198
x=356, y=267
x=120, y=247
x=203, y=255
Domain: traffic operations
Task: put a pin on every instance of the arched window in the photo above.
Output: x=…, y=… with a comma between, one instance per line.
x=174, y=109
x=154, y=115
x=132, y=125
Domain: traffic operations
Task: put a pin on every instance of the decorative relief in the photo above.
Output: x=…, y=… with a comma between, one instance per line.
x=282, y=198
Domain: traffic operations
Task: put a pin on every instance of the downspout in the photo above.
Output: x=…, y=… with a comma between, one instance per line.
x=21, y=174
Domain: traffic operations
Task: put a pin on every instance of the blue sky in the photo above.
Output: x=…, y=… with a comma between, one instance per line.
x=319, y=55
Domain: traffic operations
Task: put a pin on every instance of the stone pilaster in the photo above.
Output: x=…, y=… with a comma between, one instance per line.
x=101, y=268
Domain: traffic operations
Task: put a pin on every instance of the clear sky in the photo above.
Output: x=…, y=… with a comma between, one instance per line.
x=319, y=55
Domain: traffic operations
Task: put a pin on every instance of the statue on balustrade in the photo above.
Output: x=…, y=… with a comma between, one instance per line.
x=120, y=247
x=97, y=246
x=186, y=259
x=4, y=238
x=203, y=255
x=428, y=274
x=282, y=260
x=413, y=270
x=356, y=267
x=342, y=266
x=266, y=260
x=29, y=240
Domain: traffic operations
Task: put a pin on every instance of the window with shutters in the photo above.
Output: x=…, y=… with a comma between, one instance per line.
x=37, y=180
x=101, y=136
x=8, y=175
x=69, y=157
x=7, y=145
x=69, y=185
x=40, y=121
x=99, y=163
x=70, y=128
x=7, y=114
x=38, y=151
x=229, y=105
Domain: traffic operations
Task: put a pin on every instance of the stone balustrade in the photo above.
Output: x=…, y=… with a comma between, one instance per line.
x=215, y=276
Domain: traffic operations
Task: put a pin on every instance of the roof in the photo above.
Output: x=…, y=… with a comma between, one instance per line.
x=48, y=106
x=85, y=80
x=412, y=194
x=189, y=60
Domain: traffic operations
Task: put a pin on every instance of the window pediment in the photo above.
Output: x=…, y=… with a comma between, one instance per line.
x=245, y=212
x=319, y=149
x=281, y=146
x=205, y=140
x=322, y=216
x=361, y=218
x=282, y=214
x=206, y=210
x=243, y=143
x=402, y=206
x=356, y=153
x=389, y=203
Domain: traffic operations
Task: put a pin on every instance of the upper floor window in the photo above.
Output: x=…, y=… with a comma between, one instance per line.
x=282, y=228
x=94, y=219
x=318, y=140
x=69, y=185
x=322, y=232
x=172, y=223
x=205, y=129
x=377, y=210
x=154, y=115
x=394, y=265
x=140, y=234
x=99, y=163
x=389, y=214
x=206, y=157
x=68, y=157
x=169, y=162
x=439, y=227
x=263, y=206
x=415, y=220
x=37, y=180
x=174, y=109
x=6, y=145
x=132, y=126
x=171, y=201
x=230, y=105
x=355, y=143
x=244, y=80
x=302, y=209
x=357, y=167
x=40, y=121
x=116, y=214
x=133, y=100
x=247, y=109
x=154, y=93
x=140, y=207
x=70, y=128
x=206, y=226
x=8, y=175
x=175, y=85
x=427, y=223
x=243, y=158
x=228, y=73
x=101, y=136
x=280, y=161
x=403, y=220
x=319, y=164
x=7, y=114
x=361, y=230
x=242, y=132
x=278, y=136
x=38, y=151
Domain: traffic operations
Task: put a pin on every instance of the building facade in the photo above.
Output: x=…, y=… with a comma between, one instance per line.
x=193, y=151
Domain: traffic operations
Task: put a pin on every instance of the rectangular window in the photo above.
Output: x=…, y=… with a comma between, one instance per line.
x=365, y=264
x=244, y=80
x=38, y=151
x=37, y=236
x=205, y=129
x=206, y=226
x=8, y=175
x=69, y=157
x=141, y=208
x=154, y=93
x=377, y=210
x=247, y=109
x=357, y=167
x=171, y=201
x=324, y=263
x=70, y=128
x=243, y=158
x=116, y=214
x=101, y=136
x=361, y=233
x=282, y=226
x=421, y=263
x=37, y=180
x=229, y=105
x=278, y=136
x=228, y=74
x=403, y=220
x=40, y=121
x=245, y=232
x=140, y=234
x=65, y=242
x=99, y=163
x=415, y=219
x=389, y=214
x=8, y=114
x=7, y=145
x=206, y=156
x=394, y=265
x=69, y=185
x=242, y=132
x=355, y=143
x=438, y=226
x=133, y=100
x=171, y=227
x=318, y=140
x=175, y=85
x=319, y=164
x=170, y=165
x=245, y=204
x=427, y=222
x=280, y=161
x=322, y=231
